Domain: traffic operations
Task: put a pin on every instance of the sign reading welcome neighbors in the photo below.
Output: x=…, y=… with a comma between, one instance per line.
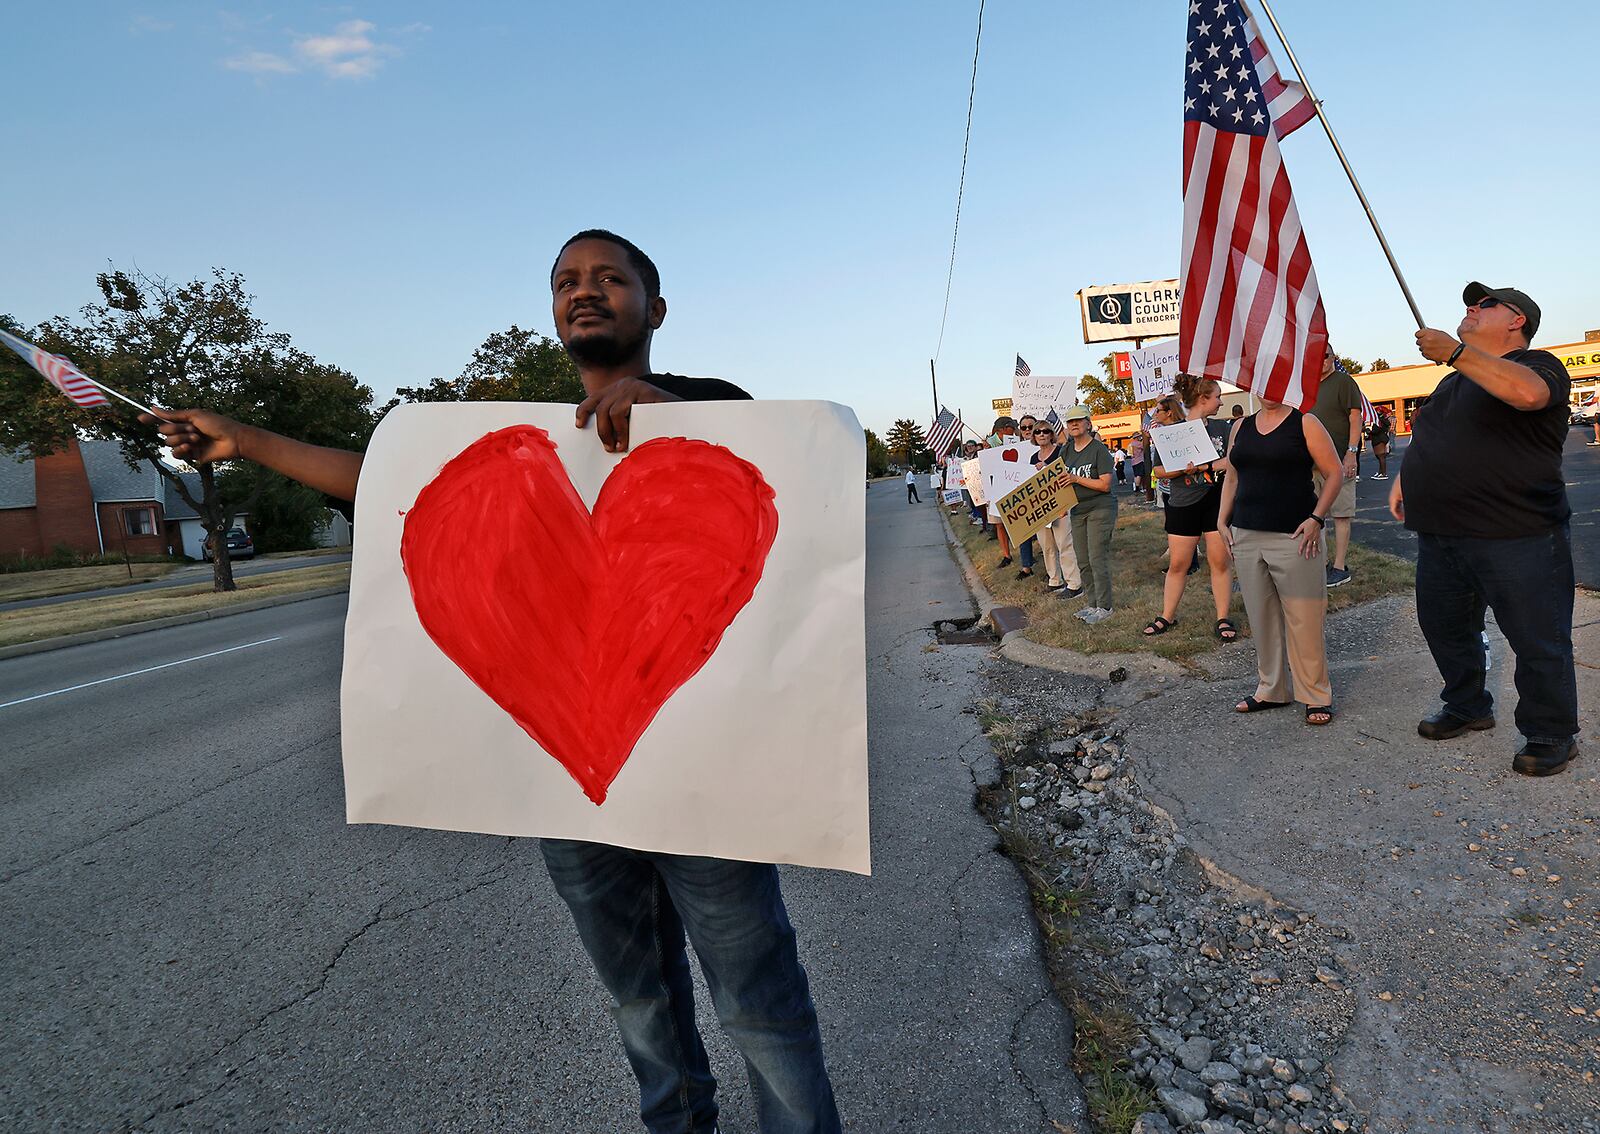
x=1129, y=311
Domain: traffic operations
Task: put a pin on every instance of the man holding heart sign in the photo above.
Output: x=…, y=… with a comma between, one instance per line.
x=633, y=909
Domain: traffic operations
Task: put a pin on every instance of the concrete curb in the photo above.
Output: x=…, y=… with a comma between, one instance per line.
x=44, y=645
x=1010, y=621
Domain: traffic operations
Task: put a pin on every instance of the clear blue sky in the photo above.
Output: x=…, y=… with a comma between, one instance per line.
x=393, y=180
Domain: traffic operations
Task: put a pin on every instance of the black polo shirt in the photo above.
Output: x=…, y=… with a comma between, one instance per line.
x=1477, y=467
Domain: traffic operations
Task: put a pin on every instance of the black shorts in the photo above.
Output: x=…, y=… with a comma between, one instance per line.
x=1195, y=519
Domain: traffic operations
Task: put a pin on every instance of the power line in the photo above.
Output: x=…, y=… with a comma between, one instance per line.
x=961, y=188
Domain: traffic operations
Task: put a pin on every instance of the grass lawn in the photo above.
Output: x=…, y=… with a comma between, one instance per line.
x=66, y=580
x=33, y=623
x=1139, y=572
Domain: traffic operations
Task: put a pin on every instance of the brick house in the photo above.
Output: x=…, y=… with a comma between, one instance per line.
x=86, y=497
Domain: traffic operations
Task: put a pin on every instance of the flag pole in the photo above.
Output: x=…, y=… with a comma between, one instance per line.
x=1348, y=172
x=107, y=389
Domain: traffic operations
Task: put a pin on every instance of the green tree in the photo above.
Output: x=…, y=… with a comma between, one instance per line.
x=34, y=417
x=905, y=440
x=1351, y=365
x=877, y=455
x=514, y=365
x=1105, y=392
x=200, y=344
x=285, y=515
x=1380, y=364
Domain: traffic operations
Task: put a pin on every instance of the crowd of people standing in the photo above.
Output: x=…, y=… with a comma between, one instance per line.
x=1482, y=490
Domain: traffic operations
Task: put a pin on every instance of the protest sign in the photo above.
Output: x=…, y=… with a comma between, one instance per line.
x=1180, y=445
x=972, y=480
x=1003, y=468
x=1038, y=394
x=952, y=475
x=951, y=496
x=1042, y=498
x=1153, y=370
x=541, y=641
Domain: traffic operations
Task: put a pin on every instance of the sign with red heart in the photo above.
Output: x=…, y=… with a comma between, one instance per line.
x=663, y=649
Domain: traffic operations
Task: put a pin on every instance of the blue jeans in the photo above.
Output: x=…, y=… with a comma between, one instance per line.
x=1528, y=583
x=632, y=909
x=1025, y=552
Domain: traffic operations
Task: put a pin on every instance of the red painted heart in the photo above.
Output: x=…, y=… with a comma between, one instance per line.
x=1009, y=455
x=581, y=625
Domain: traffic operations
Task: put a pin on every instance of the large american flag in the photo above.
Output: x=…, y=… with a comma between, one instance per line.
x=1252, y=314
x=58, y=372
x=1022, y=368
x=943, y=433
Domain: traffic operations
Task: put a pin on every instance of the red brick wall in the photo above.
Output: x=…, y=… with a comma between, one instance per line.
x=19, y=533
x=63, y=501
x=111, y=526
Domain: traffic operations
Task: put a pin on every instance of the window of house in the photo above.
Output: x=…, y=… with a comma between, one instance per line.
x=139, y=521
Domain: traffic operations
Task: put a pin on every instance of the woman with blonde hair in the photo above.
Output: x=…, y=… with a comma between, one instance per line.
x=1191, y=514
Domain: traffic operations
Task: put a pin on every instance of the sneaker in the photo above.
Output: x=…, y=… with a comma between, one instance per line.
x=1098, y=614
x=1337, y=577
x=1071, y=592
x=1592, y=442
x=1385, y=476
x=1085, y=612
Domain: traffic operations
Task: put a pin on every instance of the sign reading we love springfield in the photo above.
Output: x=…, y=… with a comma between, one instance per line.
x=663, y=649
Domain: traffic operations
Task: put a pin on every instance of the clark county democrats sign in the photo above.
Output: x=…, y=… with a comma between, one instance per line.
x=1146, y=310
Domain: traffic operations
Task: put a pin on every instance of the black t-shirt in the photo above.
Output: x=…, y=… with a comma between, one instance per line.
x=697, y=389
x=1477, y=467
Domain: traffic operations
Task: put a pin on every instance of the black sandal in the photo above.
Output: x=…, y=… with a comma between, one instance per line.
x=1159, y=625
x=1325, y=710
x=1226, y=630
x=1251, y=705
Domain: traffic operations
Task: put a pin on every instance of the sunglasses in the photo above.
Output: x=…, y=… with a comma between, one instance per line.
x=1490, y=301
x=1044, y=432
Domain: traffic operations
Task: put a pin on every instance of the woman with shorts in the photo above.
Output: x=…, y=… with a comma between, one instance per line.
x=1191, y=515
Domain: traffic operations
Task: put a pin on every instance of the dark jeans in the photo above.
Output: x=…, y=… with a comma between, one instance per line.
x=1027, y=551
x=1528, y=583
x=632, y=909
x=911, y=493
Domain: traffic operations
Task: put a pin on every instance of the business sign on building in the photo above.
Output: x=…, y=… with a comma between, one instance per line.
x=1129, y=311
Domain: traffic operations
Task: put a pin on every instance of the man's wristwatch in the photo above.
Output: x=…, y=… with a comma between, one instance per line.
x=1321, y=522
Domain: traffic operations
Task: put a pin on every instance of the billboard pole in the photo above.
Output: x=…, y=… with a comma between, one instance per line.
x=1348, y=172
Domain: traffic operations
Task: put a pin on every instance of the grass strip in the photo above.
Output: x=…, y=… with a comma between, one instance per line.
x=68, y=580
x=32, y=624
x=1138, y=549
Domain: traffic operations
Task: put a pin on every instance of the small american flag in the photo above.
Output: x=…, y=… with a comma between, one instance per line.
x=1369, y=415
x=1022, y=368
x=58, y=372
x=943, y=433
x=1252, y=312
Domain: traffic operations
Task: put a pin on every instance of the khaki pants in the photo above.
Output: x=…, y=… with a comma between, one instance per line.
x=1286, y=599
x=1060, y=561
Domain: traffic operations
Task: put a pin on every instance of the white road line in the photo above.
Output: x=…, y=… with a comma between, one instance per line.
x=136, y=673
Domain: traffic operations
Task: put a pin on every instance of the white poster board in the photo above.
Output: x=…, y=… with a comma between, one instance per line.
x=1002, y=468
x=952, y=475
x=1038, y=394
x=1180, y=445
x=1145, y=310
x=663, y=649
x=1153, y=369
x=972, y=480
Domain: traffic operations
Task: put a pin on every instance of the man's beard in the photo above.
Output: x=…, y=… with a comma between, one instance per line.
x=604, y=348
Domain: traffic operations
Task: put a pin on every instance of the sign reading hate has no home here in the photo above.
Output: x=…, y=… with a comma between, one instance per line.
x=1044, y=497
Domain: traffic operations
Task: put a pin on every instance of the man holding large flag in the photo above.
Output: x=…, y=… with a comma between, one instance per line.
x=1252, y=314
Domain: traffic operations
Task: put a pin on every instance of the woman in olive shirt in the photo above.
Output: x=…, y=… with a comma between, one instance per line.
x=1094, y=516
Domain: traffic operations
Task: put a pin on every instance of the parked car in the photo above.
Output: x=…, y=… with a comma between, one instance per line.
x=1587, y=411
x=240, y=545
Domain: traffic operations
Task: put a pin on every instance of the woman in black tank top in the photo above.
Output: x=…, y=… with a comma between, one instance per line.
x=1273, y=520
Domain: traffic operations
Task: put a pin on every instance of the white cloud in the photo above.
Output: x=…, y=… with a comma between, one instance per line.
x=350, y=51
x=260, y=63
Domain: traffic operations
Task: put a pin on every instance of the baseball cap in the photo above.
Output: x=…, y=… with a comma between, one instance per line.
x=1476, y=291
x=1075, y=413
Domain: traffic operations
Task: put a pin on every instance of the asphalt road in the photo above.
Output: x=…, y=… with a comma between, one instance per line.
x=185, y=577
x=195, y=939
x=1375, y=528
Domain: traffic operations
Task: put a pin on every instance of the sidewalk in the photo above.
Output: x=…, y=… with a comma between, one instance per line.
x=1470, y=893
